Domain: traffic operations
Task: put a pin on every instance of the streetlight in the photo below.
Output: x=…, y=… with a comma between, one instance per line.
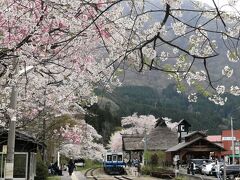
x=232, y=134
x=12, y=126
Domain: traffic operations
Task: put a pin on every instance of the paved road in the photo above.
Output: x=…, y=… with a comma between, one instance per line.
x=79, y=176
x=75, y=176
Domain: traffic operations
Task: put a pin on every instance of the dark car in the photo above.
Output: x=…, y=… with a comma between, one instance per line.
x=232, y=171
x=198, y=164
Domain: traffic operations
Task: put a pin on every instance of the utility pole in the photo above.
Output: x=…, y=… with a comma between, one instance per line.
x=233, y=147
x=12, y=129
x=145, y=146
x=9, y=165
x=224, y=169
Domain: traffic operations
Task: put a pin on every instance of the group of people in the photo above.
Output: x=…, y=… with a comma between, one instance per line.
x=55, y=170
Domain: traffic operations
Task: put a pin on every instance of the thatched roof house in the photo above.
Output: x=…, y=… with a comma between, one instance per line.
x=133, y=146
x=161, y=137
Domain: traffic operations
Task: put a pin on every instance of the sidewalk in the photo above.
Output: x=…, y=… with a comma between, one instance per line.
x=75, y=176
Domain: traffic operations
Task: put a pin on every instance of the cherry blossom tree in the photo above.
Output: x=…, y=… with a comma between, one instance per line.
x=80, y=141
x=138, y=124
x=72, y=46
x=51, y=37
x=115, y=142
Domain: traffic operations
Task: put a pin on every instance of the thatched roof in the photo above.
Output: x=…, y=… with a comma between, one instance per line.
x=161, y=122
x=133, y=142
x=161, y=138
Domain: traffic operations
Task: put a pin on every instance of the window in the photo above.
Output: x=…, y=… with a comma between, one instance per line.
x=119, y=157
x=20, y=165
x=109, y=157
x=114, y=158
x=182, y=128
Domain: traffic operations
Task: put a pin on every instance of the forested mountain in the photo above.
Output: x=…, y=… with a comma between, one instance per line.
x=124, y=101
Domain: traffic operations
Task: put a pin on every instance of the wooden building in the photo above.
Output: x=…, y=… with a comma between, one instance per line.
x=24, y=157
x=194, y=146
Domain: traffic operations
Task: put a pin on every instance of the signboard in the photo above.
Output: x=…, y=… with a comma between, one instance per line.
x=236, y=150
x=4, y=149
x=230, y=138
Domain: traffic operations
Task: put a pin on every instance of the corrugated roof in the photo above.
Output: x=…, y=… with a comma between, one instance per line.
x=185, y=144
x=195, y=132
x=182, y=145
x=214, y=138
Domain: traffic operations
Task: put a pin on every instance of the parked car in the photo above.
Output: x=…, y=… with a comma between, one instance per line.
x=232, y=171
x=198, y=164
x=79, y=162
x=207, y=168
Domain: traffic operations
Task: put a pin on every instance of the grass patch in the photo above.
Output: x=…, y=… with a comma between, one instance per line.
x=89, y=164
x=53, y=178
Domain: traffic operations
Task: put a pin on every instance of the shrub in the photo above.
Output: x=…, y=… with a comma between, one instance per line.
x=146, y=170
x=41, y=169
x=154, y=159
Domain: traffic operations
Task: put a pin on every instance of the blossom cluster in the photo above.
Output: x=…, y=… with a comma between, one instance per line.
x=51, y=37
x=80, y=141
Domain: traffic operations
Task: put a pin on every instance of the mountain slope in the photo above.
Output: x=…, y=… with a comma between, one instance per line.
x=126, y=100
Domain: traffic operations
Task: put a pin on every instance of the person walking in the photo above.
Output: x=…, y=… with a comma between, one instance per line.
x=139, y=169
x=71, y=167
x=192, y=168
x=218, y=172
